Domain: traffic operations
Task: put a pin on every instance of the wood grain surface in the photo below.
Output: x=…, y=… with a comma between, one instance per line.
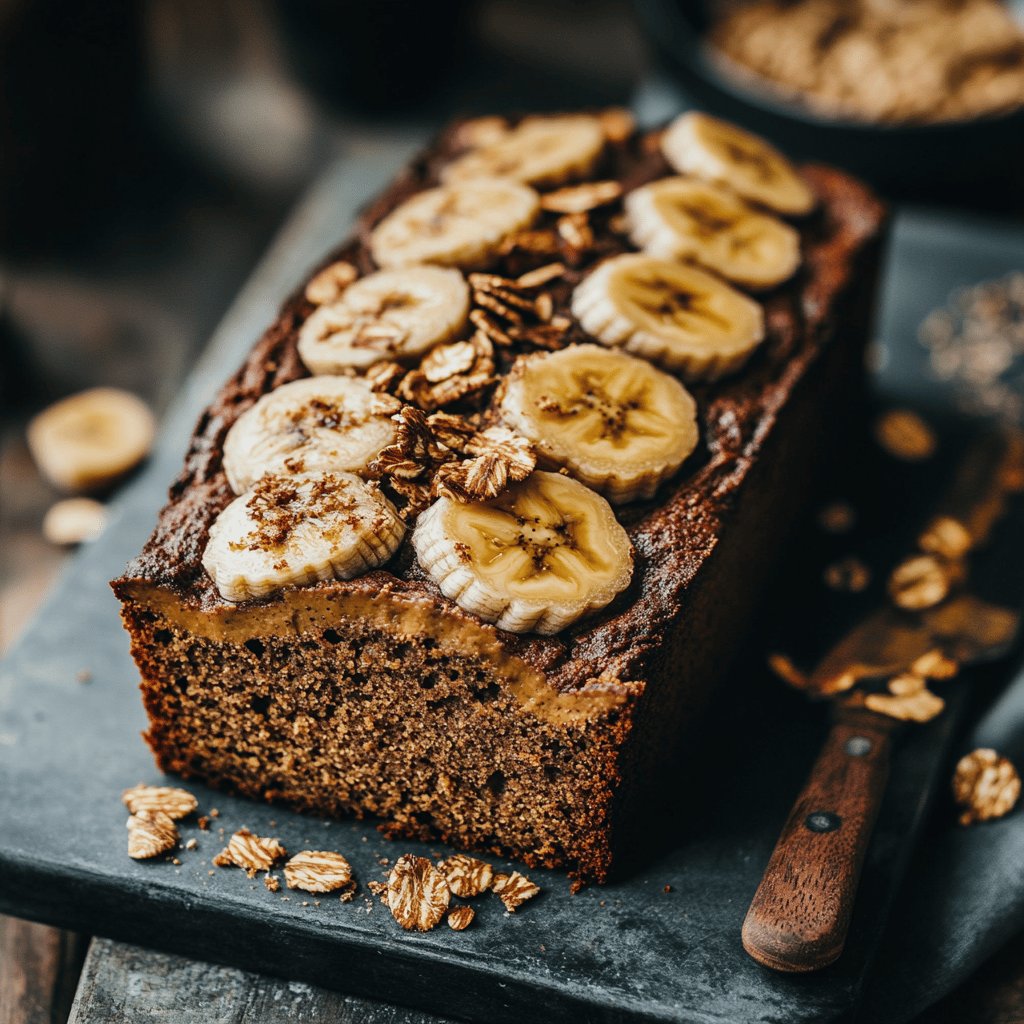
x=800, y=914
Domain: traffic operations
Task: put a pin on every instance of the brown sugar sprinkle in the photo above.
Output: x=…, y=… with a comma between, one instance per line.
x=849, y=575
x=467, y=877
x=838, y=517
x=946, y=537
x=272, y=882
x=514, y=890
x=317, y=871
x=418, y=894
x=151, y=833
x=460, y=918
x=250, y=852
x=923, y=581
x=581, y=198
x=175, y=803
x=329, y=283
x=905, y=435
x=986, y=785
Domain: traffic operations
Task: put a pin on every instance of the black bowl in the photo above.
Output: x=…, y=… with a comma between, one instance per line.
x=977, y=163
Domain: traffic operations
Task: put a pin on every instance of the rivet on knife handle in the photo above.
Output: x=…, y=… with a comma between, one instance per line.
x=800, y=915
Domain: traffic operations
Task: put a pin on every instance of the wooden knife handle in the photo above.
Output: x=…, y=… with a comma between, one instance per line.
x=800, y=915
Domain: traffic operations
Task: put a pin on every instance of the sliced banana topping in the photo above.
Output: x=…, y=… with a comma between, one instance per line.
x=290, y=530
x=671, y=313
x=537, y=558
x=720, y=152
x=614, y=421
x=682, y=218
x=457, y=225
x=540, y=151
x=393, y=314
x=309, y=425
x=87, y=441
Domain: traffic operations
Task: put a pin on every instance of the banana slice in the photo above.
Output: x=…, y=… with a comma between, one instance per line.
x=614, y=421
x=393, y=314
x=456, y=225
x=537, y=558
x=309, y=425
x=540, y=151
x=681, y=218
x=89, y=440
x=726, y=155
x=673, y=314
x=289, y=530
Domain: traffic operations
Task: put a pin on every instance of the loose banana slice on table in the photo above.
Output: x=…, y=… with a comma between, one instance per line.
x=393, y=314
x=309, y=425
x=541, y=151
x=614, y=421
x=289, y=530
x=671, y=313
x=726, y=155
x=457, y=225
x=537, y=558
x=89, y=440
x=681, y=218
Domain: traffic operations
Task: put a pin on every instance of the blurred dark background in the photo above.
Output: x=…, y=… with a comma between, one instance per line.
x=150, y=148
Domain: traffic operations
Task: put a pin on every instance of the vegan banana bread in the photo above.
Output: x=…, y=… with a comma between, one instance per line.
x=467, y=541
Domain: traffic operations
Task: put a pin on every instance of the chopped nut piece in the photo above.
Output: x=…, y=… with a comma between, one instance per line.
x=946, y=537
x=317, y=871
x=330, y=282
x=191, y=845
x=502, y=458
x=581, y=198
x=923, y=581
x=617, y=122
x=467, y=876
x=203, y=822
x=849, y=575
x=415, y=496
x=272, y=882
x=151, y=833
x=454, y=432
x=934, y=665
x=782, y=665
x=459, y=918
x=839, y=517
x=540, y=243
x=175, y=803
x=986, y=785
x=385, y=376
x=514, y=890
x=480, y=131
x=448, y=360
x=250, y=852
x=541, y=276
x=575, y=231
x=418, y=894
x=905, y=435
x=917, y=705
x=378, y=889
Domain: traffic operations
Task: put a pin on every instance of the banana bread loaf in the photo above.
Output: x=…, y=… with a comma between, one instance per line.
x=467, y=541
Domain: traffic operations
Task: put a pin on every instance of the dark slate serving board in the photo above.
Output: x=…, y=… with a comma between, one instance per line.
x=662, y=944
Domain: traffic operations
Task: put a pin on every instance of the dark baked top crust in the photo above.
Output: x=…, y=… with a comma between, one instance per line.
x=675, y=533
